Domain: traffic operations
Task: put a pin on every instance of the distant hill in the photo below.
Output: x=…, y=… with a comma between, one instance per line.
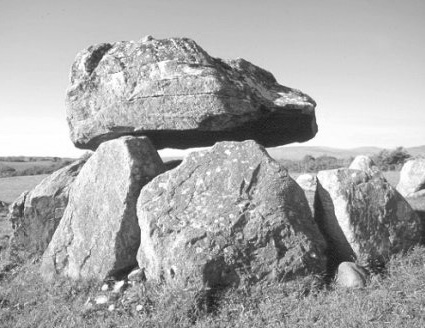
x=298, y=152
x=416, y=151
x=24, y=165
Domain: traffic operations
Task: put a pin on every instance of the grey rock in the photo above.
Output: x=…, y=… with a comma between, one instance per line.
x=412, y=178
x=417, y=202
x=36, y=214
x=137, y=275
x=99, y=235
x=16, y=209
x=351, y=275
x=101, y=299
x=363, y=163
x=119, y=287
x=172, y=91
x=362, y=216
x=307, y=182
x=226, y=216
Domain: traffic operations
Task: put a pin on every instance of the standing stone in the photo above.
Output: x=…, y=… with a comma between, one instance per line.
x=412, y=178
x=412, y=186
x=363, y=163
x=230, y=215
x=172, y=91
x=99, y=235
x=36, y=214
x=362, y=216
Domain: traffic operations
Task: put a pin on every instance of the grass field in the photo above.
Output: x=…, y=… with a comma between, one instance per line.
x=11, y=188
x=393, y=300
x=19, y=166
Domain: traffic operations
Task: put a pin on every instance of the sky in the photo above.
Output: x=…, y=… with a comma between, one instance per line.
x=362, y=61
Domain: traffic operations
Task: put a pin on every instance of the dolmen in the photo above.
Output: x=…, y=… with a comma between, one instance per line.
x=228, y=216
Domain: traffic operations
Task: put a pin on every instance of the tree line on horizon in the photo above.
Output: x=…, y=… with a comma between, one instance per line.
x=386, y=160
x=7, y=170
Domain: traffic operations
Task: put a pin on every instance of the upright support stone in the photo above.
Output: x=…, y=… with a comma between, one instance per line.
x=362, y=216
x=36, y=214
x=99, y=234
x=227, y=216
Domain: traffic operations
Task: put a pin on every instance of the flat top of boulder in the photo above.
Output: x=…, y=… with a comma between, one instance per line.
x=180, y=97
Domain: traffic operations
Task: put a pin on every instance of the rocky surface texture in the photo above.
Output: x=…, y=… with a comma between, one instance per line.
x=36, y=214
x=227, y=216
x=99, y=235
x=362, y=216
x=412, y=186
x=172, y=91
x=412, y=178
x=5, y=227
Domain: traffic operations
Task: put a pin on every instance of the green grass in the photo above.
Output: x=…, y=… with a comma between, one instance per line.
x=18, y=166
x=394, y=300
x=12, y=187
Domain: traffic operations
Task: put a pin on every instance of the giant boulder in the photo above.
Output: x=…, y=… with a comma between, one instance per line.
x=99, y=235
x=172, y=91
x=362, y=216
x=36, y=214
x=227, y=216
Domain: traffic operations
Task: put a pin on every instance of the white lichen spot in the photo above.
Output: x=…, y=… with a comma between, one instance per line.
x=218, y=169
x=227, y=152
x=162, y=185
